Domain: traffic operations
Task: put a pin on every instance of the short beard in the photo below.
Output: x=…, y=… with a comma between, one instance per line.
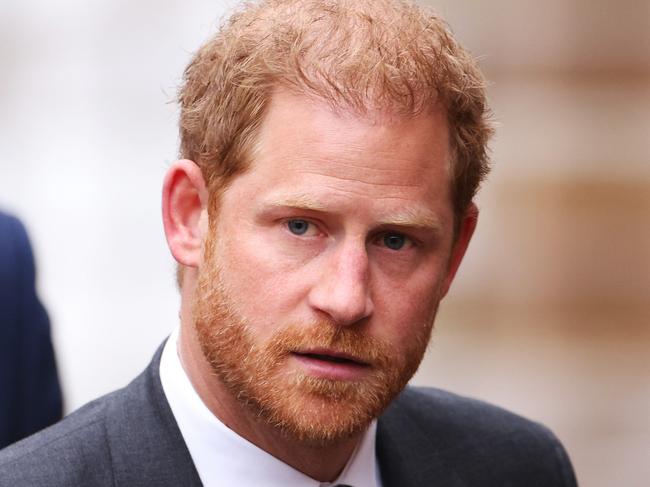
x=312, y=410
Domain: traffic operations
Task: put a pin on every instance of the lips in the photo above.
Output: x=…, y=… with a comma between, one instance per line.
x=331, y=356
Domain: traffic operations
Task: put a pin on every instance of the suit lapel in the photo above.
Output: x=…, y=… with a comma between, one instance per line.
x=407, y=456
x=146, y=446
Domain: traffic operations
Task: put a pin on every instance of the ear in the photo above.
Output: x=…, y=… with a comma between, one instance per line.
x=184, y=202
x=465, y=232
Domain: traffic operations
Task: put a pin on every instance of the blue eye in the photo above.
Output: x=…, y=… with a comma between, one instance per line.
x=298, y=227
x=394, y=241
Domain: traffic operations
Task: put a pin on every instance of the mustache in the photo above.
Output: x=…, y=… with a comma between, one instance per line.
x=347, y=341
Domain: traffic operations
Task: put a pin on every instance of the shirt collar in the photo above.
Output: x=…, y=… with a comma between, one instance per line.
x=223, y=458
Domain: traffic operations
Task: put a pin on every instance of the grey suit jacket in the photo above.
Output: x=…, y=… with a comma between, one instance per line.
x=426, y=437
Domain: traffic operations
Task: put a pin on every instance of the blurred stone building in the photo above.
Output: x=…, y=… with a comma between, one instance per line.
x=551, y=313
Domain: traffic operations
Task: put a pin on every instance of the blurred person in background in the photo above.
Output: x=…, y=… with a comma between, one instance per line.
x=331, y=152
x=30, y=396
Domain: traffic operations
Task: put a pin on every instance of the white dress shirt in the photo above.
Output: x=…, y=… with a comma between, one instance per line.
x=223, y=458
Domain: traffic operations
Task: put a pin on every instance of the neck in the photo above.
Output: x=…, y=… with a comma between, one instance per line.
x=323, y=463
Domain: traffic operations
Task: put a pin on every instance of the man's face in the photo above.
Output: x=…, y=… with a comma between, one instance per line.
x=324, y=266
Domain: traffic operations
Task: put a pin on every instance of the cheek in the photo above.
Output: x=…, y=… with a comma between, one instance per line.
x=408, y=307
x=266, y=285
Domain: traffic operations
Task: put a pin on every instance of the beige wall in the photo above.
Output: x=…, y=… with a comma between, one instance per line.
x=550, y=316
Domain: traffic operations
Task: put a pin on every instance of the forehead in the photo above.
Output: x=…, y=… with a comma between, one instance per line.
x=306, y=151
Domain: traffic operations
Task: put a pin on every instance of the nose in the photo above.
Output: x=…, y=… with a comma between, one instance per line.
x=342, y=291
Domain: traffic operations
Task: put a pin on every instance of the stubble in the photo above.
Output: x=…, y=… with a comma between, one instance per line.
x=310, y=409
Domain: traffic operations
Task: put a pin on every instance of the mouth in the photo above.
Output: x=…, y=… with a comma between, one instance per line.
x=331, y=356
x=332, y=364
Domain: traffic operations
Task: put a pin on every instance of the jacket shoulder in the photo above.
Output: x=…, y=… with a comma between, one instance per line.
x=15, y=250
x=73, y=451
x=474, y=442
x=128, y=437
x=446, y=412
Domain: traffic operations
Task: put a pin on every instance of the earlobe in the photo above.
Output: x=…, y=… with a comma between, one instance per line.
x=465, y=232
x=184, y=201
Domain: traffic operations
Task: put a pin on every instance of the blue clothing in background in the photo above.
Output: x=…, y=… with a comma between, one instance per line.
x=30, y=396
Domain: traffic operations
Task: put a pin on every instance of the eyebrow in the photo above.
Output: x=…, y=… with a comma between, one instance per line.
x=405, y=217
x=413, y=218
x=298, y=201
